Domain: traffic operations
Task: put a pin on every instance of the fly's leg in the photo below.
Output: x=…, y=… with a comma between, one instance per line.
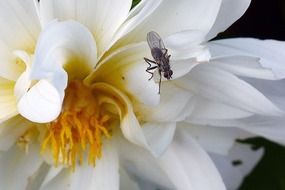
x=159, y=81
x=148, y=70
x=150, y=67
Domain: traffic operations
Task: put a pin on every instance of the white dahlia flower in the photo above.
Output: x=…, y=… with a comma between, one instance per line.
x=78, y=110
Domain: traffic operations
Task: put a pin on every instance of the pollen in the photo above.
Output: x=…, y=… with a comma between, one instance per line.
x=78, y=133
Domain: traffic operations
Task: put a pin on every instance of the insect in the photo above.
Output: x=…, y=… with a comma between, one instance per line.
x=160, y=56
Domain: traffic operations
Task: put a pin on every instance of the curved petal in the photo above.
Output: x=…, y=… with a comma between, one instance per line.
x=67, y=45
x=237, y=164
x=185, y=15
x=126, y=70
x=11, y=130
x=140, y=164
x=270, y=52
x=22, y=22
x=105, y=175
x=103, y=18
x=204, y=108
x=217, y=140
x=172, y=104
x=129, y=124
x=244, y=66
x=271, y=128
x=18, y=166
x=23, y=83
x=126, y=182
x=165, y=132
x=188, y=166
x=221, y=86
x=64, y=44
x=8, y=102
x=230, y=11
x=41, y=104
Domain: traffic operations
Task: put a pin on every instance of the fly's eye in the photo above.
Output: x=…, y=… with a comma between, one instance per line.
x=165, y=75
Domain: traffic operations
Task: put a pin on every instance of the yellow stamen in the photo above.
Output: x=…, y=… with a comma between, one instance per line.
x=80, y=127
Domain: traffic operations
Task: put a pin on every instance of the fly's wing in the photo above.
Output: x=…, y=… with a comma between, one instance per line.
x=154, y=40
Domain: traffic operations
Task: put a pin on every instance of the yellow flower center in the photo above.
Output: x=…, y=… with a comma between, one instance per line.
x=79, y=129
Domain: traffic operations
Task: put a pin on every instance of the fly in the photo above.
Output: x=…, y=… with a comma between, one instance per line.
x=160, y=56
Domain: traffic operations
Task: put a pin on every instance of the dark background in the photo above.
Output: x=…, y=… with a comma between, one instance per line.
x=265, y=19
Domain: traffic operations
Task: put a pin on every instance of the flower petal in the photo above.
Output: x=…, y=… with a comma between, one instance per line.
x=235, y=166
x=67, y=45
x=64, y=44
x=217, y=140
x=165, y=132
x=18, y=166
x=269, y=127
x=129, y=124
x=125, y=69
x=244, y=66
x=23, y=23
x=103, y=18
x=172, y=104
x=104, y=176
x=188, y=166
x=270, y=52
x=126, y=182
x=230, y=11
x=8, y=102
x=221, y=86
x=204, y=108
x=42, y=103
x=11, y=130
x=140, y=164
x=185, y=15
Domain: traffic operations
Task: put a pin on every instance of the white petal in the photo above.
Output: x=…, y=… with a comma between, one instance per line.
x=187, y=44
x=268, y=127
x=185, y=15
x=60, y=181
x=18, y=166
x=23, y=82
x=42, y=103
x=181, y=67
x=105, y=175
x=129, y=123
x=270, y=52
x=165, y=132
x=243, y=66
x=52, y=175
x=23, y=23
x=36, y=180
x=8, y=102
x=204, y=108
x=67, y=45
x=214, y=139
x=230, y=11
x=103, y=18
x=234, y=174
x=64, y=44
x=188, y=166
x=11, y=130
x=218, y=85
x=173, y=100
x=126, y=182
x=126, y=70
x=141, y=164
